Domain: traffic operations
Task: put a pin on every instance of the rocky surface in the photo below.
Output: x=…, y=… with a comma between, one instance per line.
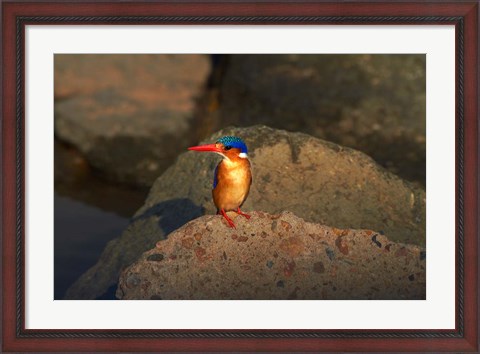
x=372, y=103
x=128, y=114
x=316, y=180
x=274, y=257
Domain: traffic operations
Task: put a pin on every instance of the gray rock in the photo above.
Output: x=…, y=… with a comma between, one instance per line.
x=372, y=103
x=274, y=257
x=128, y=114
x=317, y=180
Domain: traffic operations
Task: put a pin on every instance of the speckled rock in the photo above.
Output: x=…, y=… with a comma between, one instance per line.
x=128, y=114
x=274, y=257
x=317, y=180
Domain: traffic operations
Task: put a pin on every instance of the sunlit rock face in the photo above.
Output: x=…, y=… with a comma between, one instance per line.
x=277, y=257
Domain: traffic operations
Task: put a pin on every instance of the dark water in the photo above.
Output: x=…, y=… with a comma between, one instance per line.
x=81, y=233
x=88, y=213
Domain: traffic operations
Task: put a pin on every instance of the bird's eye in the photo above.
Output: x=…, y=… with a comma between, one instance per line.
x=227, y=147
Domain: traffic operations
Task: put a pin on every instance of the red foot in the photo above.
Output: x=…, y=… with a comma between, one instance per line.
x=230, y=222
x=243, y=214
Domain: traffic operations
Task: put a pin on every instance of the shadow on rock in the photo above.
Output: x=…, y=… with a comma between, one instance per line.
x=145, y=229
x=172, y=214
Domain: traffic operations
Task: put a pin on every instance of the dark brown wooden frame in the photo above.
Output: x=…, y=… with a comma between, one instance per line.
x=17, y=14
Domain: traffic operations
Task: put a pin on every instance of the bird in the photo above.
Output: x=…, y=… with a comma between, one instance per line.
x=232, y=177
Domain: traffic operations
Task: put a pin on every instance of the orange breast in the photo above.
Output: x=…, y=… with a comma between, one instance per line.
x=233, y=184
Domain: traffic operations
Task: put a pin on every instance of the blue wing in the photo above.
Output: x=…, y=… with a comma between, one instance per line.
x=215, y=178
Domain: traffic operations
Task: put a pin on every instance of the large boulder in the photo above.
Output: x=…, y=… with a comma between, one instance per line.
x=128, y=114
x=274, y=257
x=372, y=103
x=319, y=181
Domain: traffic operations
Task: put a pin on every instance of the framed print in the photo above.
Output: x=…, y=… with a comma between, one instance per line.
x=346, y=187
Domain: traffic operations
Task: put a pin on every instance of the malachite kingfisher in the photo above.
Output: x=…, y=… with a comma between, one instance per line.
x=232, y=177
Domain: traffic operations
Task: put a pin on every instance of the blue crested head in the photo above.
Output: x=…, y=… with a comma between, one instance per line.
x=233, y=142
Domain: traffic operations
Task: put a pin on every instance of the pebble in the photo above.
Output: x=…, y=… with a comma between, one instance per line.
x=402, y=252
x=330, y=253
x=133, y=280
x=289, y=268
x=274, y=226
x=188, y=242
x=374, y=240
x=156, y=257
x=342, y=245
x=318, y=267
x=200, y=253
x=286, y=225
x=423, y=255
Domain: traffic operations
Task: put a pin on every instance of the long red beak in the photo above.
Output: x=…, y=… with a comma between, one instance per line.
x=209, y=147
